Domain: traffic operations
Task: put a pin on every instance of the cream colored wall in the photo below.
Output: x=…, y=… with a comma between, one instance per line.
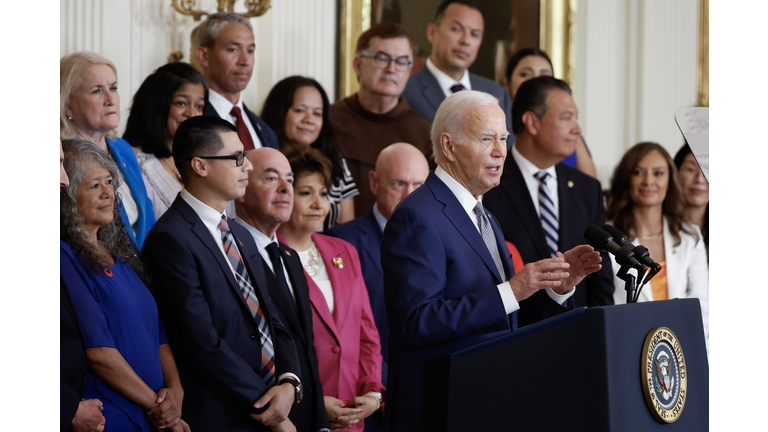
x=636, y=65
x=636, y=59
x=293, y=37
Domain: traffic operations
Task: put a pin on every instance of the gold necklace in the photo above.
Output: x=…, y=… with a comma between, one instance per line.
x=312, y=264
x=651, y=237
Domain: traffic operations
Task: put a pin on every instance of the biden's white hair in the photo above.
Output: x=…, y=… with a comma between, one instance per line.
x=450, y=116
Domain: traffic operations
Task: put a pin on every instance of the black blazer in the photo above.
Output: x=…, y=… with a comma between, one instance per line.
x=72, y=361
x=310, y=414
x=581, y=204
x=214, y=337
x=266, y=135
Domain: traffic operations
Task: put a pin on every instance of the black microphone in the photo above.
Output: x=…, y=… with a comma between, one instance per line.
x=600, y=239
x=641, y=252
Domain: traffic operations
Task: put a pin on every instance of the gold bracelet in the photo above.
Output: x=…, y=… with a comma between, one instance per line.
x=375, y=395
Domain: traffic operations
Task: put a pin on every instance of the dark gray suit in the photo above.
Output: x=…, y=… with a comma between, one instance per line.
x=424, y=94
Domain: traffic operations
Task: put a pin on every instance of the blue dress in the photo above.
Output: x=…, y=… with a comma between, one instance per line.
x=117, y=311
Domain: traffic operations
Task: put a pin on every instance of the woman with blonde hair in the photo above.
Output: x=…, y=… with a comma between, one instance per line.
x=90, y=110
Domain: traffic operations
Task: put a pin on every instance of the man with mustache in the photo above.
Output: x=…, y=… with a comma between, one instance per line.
x=225, y=50
x=376, y=116
x=455, y=35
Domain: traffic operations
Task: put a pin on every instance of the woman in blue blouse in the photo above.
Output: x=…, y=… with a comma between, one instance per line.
x=90, y=109
x=131, y=367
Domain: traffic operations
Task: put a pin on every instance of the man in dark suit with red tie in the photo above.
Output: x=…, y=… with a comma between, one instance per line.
x=237, y=362
x=267, y=203
x=225, y=50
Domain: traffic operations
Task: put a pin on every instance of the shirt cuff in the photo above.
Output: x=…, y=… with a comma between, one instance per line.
x=508, y=298
x=287, y=375
x=560, y=299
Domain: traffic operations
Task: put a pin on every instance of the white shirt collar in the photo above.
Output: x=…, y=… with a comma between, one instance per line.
x=221, y=104
x=262, y=241
x=210, y=216
x=528, y=169
x=467, y=201
x=445, y=81
x=379, y=217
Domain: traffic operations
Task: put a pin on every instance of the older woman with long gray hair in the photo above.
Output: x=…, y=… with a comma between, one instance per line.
x=90, y=109
x=134, y=372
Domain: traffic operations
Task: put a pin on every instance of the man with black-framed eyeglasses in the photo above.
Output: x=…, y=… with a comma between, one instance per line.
x=237, y=362
x=376, y=116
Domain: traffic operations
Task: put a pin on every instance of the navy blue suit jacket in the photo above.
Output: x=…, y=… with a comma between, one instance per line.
x=310, y=414
x=266, y=135
x=211, y=331
x=581, y=204
x=440, y=290
x=424, y=94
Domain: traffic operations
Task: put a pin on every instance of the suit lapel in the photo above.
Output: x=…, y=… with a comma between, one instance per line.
x=430, y=88
x=514, y=186
x=338, y=276
x=281, y=299
x=300, y=290
x=202, y=233
x=461, y=221
x=567, y=201
x=320, y=305
x=370, y=234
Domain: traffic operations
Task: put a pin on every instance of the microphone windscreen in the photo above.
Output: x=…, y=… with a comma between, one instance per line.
x=597, y=237
x=617, y=235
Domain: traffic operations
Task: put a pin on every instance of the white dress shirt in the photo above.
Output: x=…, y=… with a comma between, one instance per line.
x=380, y=219
x=321, y=278
x=223, y=106
x=445, y=81
x=529, y=170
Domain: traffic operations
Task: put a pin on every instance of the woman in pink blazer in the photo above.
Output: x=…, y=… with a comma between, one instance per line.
x=347, y=342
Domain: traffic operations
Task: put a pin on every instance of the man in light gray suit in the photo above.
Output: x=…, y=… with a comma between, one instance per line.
x=455, y=35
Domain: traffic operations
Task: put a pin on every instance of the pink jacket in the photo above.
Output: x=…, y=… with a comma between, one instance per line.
x=347, y=342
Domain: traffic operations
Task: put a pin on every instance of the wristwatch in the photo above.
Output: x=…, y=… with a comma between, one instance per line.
x=296, y=386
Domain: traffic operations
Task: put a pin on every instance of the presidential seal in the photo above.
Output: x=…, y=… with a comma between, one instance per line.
x=665, y=382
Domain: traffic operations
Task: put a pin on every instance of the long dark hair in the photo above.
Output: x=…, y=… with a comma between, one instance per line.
x=280, y=100
x=147, y=126
x=521, y=54
x=684, y=151
x=620, y=205
x=112, y=236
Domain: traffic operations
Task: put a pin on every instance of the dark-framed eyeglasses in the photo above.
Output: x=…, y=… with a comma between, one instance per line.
x=238, y=157
x=382, y=60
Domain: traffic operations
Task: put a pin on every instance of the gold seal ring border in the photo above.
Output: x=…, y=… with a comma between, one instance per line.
x=660, y=414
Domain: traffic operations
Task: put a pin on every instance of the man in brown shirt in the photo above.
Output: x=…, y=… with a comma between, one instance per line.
x=376, y=116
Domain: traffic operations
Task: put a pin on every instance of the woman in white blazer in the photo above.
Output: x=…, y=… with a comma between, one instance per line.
x=647, y=204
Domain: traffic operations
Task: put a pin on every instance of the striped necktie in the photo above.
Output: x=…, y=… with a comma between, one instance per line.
x=547, y=214
x=488, y=237
x=244, y=281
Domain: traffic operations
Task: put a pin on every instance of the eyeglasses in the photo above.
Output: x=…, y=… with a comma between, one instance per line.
x=238, y=157
x=382, y=60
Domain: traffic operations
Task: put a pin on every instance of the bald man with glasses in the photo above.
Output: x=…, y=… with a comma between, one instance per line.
x=376, y=116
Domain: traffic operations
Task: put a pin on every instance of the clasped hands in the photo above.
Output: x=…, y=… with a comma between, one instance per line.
x=343, y=415
x=280, y=399
x=561, y=273
x=166, y=414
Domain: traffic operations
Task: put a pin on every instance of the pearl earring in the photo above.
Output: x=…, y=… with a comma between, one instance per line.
x=69, y=118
